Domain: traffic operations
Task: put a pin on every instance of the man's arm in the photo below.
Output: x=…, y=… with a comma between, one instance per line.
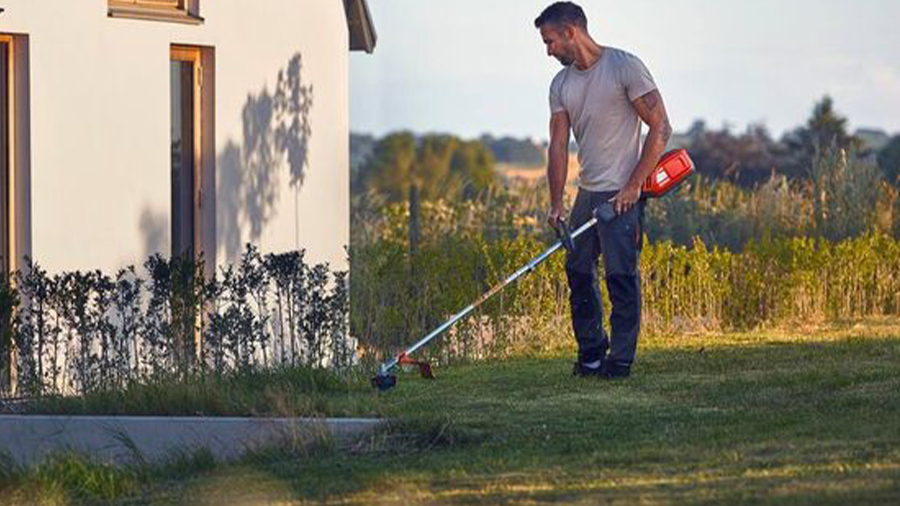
x=652, y=111
x=558, y=166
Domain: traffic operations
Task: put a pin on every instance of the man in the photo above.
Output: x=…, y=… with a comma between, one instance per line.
x=602, y=95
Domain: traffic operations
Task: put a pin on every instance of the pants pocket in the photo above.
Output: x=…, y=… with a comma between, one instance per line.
x=620, y=242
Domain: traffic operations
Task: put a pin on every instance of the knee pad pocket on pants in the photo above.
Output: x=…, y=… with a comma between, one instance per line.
x=623, y=291
x=579, y=281
x=625, y=297
x=581, y=286
x=622, y=287
x=582, y=307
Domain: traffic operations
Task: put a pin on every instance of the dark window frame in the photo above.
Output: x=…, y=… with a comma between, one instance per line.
x=175, y=11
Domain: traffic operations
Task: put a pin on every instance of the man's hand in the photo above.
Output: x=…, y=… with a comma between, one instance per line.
x=626, y=198
x=554, y=216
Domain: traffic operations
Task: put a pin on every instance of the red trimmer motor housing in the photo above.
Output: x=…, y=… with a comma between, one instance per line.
x=673, y=168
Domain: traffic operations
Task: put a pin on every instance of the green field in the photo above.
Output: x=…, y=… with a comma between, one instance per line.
x=780, y=417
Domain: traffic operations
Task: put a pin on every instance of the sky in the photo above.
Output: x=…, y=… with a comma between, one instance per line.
x=470, y=67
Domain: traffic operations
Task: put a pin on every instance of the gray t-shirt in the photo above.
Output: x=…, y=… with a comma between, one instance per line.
x=606, y=126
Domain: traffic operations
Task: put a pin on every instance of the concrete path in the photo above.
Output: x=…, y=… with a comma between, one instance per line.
x=28, y=439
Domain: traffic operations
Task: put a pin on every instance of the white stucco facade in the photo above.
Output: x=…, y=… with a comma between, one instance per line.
x=100, y=190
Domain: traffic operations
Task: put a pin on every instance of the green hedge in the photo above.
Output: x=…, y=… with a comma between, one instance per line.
x=81, y=332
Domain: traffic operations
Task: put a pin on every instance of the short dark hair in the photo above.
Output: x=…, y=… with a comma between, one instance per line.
x=562, y=13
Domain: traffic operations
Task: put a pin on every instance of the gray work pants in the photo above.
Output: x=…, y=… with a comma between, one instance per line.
x=619, y=241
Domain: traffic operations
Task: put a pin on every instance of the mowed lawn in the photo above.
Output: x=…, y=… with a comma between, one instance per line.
x=779, y=417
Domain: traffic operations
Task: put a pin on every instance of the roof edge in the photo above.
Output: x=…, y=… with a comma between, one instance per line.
x=360, y=26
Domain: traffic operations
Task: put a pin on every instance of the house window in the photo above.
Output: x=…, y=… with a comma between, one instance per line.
x=193, y=203
x=192, y=159
x=179, y=11
x=15, y=179
x=15, y=152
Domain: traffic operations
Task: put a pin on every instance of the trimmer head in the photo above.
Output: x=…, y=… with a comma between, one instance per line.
x=384, y=382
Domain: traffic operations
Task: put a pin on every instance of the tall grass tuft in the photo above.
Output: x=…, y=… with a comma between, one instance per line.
x=774, y=281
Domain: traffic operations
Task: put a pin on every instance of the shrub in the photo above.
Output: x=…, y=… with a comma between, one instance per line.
x=77, y=332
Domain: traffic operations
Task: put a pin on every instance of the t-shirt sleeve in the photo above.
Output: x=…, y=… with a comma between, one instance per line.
x=636, y=78
x=556, y=102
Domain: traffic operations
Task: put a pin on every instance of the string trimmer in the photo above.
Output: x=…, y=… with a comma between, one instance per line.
x=673, y=168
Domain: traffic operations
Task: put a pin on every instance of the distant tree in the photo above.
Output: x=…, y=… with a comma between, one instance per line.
x=433, y=173
x=439, y=166
x=824, y=128
x=474, y=165
x=514, y=151
x=889, y=161
x=746, y=159
x=389, y=169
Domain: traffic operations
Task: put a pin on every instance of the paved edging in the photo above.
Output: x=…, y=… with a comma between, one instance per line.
x=28, y=439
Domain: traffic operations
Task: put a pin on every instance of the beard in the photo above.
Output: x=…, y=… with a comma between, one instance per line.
x=565, y=61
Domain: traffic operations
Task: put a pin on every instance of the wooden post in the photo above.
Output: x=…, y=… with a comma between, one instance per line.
x=414, y=320
x=414, y=232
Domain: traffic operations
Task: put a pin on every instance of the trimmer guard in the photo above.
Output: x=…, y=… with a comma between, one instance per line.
x=424, y=367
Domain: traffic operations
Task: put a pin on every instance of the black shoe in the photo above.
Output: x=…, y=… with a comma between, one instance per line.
x=614, y=371
x=578, y=369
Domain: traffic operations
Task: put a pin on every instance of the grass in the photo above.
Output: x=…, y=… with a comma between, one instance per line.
x=281, y=393
x=781, y=417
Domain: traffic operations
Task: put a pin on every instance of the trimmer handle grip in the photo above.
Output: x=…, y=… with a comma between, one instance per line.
x=564, y=234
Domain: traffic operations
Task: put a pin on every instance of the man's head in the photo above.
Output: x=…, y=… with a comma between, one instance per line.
x=561, y=24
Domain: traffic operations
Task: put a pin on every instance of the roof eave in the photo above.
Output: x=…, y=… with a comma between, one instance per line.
x=360, y=26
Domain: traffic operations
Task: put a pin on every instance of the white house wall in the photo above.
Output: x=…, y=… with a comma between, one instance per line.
x=100, y=128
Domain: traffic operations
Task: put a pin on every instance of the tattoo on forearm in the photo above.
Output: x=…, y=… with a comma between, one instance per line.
x=666, y=131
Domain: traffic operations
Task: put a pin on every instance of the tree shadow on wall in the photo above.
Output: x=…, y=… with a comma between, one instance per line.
x=154, y=228
x=276, y=135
